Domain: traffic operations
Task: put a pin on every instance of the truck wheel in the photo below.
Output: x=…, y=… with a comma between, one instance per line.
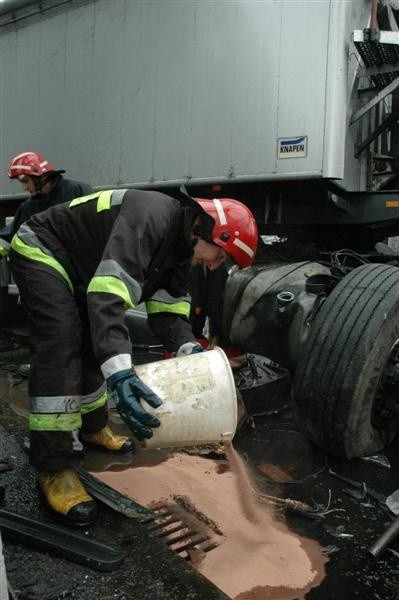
x=347, y=380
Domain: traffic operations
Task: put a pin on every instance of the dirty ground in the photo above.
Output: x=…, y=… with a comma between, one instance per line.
x=282, y=464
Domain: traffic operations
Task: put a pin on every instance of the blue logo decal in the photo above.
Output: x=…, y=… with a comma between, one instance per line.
x=293, y=142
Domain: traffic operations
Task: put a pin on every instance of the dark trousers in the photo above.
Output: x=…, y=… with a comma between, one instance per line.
x=62, y=359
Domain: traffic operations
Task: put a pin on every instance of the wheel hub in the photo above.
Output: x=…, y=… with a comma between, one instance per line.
x=386, y=404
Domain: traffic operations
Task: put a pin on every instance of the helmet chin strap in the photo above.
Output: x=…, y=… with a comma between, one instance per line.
x=37, y=182
x=40, y=181
x=203, y=227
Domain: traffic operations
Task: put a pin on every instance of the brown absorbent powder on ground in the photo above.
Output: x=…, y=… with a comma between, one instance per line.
x=258, y=557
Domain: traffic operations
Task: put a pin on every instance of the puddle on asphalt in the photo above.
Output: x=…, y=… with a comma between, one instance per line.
x=290, y=457
x=256, y=557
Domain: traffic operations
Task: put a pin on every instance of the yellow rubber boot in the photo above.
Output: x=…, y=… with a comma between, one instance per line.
x=66, y=496
x=106, y=439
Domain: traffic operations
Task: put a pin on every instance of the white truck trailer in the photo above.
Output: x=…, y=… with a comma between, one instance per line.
x=287, y=105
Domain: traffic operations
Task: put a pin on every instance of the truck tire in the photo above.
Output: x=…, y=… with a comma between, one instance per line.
x=349, y=369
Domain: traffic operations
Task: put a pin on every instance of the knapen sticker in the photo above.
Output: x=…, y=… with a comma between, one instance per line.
x=294, y=147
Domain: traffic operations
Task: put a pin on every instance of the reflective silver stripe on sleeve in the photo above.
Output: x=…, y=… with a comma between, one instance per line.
x=30, y=238
x=54, y=404
x=4, y=244
x=117, y=197
x=110, y=268
x=120, y=362
x=164, y=296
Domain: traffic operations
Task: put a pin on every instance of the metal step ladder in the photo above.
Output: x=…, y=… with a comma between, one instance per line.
x=379, y=52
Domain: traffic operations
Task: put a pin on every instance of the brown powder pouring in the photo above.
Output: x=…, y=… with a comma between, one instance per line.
x=250, y=507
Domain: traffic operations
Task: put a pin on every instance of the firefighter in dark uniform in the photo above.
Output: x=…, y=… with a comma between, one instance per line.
x=78, y=267
x=47, y=187
x=45, y=184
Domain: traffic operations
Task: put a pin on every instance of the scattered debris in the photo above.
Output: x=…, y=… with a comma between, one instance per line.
x=362, y=488
x=338, y=532
x=286, y=503
x=356, y=493
x=385, y=539
x=330, y=549
x=317, y=511
x=367, y=505
x=379, y=459
x=263, y=384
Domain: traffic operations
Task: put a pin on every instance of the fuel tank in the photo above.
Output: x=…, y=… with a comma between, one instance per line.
x=268, y=309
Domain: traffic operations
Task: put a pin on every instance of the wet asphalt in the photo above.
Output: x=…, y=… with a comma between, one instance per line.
x=282, y=462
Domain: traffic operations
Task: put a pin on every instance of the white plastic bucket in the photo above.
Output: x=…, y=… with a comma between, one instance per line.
x=199, y=399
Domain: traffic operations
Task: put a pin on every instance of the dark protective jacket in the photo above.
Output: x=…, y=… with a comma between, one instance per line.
x=119, y=248
x=64, y=190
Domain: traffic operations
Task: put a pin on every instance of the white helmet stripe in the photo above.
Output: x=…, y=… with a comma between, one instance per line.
x=220, y=211
x=44, y=163
x=244, y=247
x=20, y=155
x=20, y=168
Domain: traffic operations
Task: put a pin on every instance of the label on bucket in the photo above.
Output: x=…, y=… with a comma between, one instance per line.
x=199, y=399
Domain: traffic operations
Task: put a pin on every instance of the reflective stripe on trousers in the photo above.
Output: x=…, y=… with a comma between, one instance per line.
x=63, y=413
x=66, y=386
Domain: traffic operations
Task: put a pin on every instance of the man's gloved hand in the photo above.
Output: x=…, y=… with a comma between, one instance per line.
x=129, y=389
x=189, y=348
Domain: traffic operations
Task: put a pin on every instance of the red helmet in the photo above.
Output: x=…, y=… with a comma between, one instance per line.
x=235, y=228
x=28, y=163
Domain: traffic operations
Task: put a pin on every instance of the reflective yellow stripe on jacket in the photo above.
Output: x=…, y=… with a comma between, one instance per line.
x=111, y=285
x=34, y=253
x=105, y=199
x=179, y=308
x=111, y=278
x=163, y=302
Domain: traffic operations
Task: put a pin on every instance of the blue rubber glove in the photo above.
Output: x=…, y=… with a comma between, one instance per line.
x=129, y=389
x=189, y=348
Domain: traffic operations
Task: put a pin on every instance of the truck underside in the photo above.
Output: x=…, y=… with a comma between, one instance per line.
x=322, y=298
x=320, y=301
